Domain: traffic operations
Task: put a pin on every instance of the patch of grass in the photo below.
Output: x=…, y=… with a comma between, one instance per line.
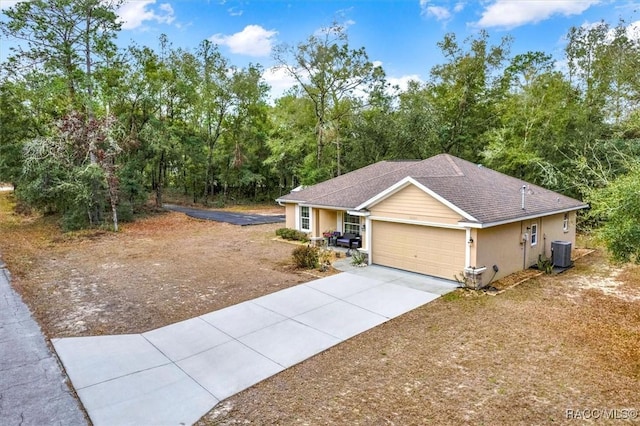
x=23, y=237
x=292, y=234
x=452, y=296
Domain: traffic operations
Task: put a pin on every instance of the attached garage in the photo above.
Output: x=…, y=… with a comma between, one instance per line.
x=423, y=249
x=442, y=216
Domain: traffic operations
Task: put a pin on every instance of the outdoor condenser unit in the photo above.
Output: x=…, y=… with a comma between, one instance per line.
x=561, y=253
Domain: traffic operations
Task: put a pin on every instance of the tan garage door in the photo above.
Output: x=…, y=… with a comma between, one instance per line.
x=423, y=249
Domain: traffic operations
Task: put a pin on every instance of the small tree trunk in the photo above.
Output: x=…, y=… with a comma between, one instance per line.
x=160, y=182
x=114, y=213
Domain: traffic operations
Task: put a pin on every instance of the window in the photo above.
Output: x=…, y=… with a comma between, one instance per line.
x=305, y=218
x=534, y=234
x=565, y=223
x=351, y=224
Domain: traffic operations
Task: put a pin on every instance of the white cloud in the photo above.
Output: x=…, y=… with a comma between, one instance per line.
x=133, y=14
x=439, y=12
x=633, y=30
x=403, y=81
x=510, y=14
x=335, y=28
x=279, y=80
x=6, y=4
x=234, y=11
x=253, y=40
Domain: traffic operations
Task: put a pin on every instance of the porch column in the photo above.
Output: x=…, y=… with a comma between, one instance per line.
x=367, y=223
x=467, y=250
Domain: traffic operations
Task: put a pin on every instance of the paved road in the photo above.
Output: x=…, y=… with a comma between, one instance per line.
x=241, y=219
x=33, y=389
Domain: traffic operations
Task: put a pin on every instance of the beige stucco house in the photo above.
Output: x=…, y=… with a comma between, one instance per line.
x=440, y=216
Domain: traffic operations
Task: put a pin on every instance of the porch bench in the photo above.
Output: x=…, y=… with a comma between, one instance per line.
x=348, y=240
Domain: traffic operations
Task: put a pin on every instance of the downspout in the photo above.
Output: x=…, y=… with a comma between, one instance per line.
x=523, y=240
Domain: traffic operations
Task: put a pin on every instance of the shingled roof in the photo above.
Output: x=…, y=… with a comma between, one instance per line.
x=483, y=194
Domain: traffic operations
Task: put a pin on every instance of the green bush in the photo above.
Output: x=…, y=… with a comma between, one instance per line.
x=358, y=258
x=291, y=234
x=545, y=264
x=125, y=212
x=74, y=220
x=306, y=257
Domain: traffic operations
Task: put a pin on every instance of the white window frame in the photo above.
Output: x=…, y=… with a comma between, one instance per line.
x=347, y=221
x=565, y=222
x=534, y=234
x=306, y=217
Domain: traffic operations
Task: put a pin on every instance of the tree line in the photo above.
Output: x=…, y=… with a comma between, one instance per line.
x=90, y=131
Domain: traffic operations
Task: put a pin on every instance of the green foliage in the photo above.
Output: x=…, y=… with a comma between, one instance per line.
x=615, y=207
x=452, y=296
x=292, y=234
x=545, y=264
x=306, y=257
x=463, y=92
x=358, y=258
x=328, y=73
x=193, y=123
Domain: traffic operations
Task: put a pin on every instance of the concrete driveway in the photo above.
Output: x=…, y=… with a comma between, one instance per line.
x=235, y=218
x=175, y=374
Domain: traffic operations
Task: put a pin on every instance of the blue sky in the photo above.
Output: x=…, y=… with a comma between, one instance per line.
x=400, y=35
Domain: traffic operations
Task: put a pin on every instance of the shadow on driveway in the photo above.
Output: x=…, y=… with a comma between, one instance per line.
x=242, y=219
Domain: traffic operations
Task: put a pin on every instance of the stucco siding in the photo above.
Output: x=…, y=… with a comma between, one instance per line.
x=290, y=215
x=553, y=226
x=501, y=246
x=411, y=203
x=327, y=220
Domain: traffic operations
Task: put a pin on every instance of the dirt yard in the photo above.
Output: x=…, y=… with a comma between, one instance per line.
x=525, y=356
x=156, y=271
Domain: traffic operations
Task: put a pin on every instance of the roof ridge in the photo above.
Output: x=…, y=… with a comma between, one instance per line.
x=373, y=177
x=455, y=166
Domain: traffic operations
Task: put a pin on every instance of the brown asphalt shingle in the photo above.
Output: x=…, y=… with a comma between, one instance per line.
x=486, y=195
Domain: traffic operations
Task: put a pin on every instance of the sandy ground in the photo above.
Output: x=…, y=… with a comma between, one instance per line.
x=525, y=356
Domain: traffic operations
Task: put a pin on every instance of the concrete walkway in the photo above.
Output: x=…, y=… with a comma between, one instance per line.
x=33, y=390
x=175, y=374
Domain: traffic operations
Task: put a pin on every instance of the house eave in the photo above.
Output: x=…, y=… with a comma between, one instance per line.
x=480, y=225
x=287, y=201
x=361, y=213
x=411, y=181
x=325, y=207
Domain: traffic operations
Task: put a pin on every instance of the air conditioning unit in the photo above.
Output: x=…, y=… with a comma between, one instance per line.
x=561, y=253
